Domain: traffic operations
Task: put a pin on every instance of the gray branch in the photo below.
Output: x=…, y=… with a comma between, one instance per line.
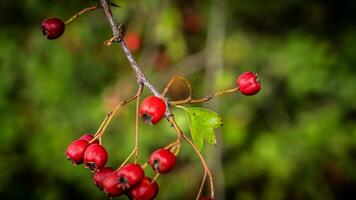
x=117, y=33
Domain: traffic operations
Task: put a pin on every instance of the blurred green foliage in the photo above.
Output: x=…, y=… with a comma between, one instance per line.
x=296, y=139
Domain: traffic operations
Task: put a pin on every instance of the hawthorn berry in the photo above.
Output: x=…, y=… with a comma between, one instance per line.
x=95, y=157
x=75, y=151
x=152, y=109
x=110, y=185
x=52, y=28
x=248, y=83
x=129, y=176
x=162, y=160
x=100, y=176
x=88, y=137
x=145, y=190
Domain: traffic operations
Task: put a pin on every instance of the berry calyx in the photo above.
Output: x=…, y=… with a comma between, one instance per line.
x=162, y=160
x=129, y=176
x=95, y=157
x=52, y=28
x=152, y=109
x=110, y=185
x=145, y=190
x=100, y=176
x=75, y=151
x=248, y=83
x=88, y=137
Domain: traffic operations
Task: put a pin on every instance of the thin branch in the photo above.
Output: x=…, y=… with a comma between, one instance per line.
x=207, y=98
x=118, y=37
x=110, y=115
x=85, y=10
x=136, y=124
x=172, y=80
x=201, y=185
x=205, y=165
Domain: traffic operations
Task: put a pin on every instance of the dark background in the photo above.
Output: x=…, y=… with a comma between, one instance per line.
x=296, y=139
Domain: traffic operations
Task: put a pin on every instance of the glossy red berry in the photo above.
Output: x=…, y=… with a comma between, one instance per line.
x=130, y=175
x=248, y=83
x=152, y=109
x=88, y=137
x=110, y=185
x=100, y=176
x=145, y=190
x=52, y=28
x=75, y=151
x=95, y=157
x=162, y=160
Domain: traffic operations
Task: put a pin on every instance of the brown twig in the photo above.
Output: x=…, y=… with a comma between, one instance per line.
x=207, y=98
x=136, y=131
x=171, y=81
x=110, y=115
x=205, y=165
x=85, y=10
x=201, y=186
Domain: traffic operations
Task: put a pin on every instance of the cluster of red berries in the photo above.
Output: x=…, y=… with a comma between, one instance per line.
x=128, y=180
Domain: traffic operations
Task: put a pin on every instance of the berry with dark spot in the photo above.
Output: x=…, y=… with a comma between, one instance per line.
x=110, y=185
x=95, y=157
x=152, y=109
x=52, y=28
x=162, y=160
x=75, y=151
x=130, y=175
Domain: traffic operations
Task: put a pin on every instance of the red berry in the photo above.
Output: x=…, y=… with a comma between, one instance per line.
x=52, y=28
x=145, y=190
x=88, y=137
x=100, y=176
x=133, y=41
x=110, y=185
x=130, y=175
x=248, y=83
x=152, y=109
x=205, y=198
x=162, y=160
x=95, y=157
x=75, y=151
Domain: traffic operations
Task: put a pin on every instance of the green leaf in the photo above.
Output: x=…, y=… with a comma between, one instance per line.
x=202, y=123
